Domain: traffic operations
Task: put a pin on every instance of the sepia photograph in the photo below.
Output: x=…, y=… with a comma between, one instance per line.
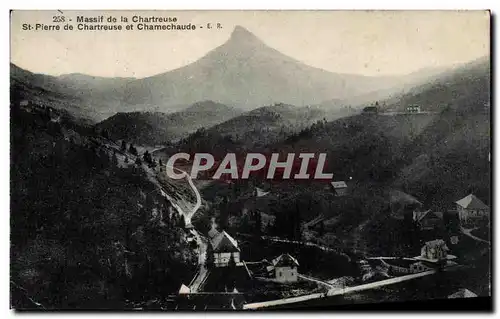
x=250, y=161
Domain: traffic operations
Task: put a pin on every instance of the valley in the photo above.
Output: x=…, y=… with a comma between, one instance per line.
x=97, y=221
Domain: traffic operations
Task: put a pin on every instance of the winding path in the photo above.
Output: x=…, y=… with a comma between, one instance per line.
x=202, y=274
x=187, y=218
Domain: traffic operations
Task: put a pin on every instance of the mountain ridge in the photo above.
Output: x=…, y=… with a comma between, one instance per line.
x=243, y=71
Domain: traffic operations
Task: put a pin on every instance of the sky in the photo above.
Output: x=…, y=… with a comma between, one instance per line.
x=359, y=42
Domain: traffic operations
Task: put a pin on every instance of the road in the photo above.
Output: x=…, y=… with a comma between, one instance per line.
x=305, y=243
x=468, y=232
x=339, y=291
x=189, y=216
x=199, y=279
x=202, y=273
x=318, y=281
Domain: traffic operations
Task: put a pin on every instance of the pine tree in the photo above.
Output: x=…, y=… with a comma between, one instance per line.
x=232, y=269
x=297, y=225
x=321, y=229
x=138, y=161
x=124, y=146
x=147, y=157
x=209, y=256
x=258, y=222
x=231, y=264
x=105, y=133
x=132, y=149
x=181, y=223
x=114, y=160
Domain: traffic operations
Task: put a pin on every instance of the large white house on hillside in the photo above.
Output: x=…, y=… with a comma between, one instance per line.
x=224, y=246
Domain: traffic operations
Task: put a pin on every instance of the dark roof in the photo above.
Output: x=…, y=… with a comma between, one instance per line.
x=418, y=216
x=221, y=277
x=397, y=196
x=370, y=109
x=285, y=260
x=212, y=233
x=224, y=243
x=463, y=293
x=339, y=184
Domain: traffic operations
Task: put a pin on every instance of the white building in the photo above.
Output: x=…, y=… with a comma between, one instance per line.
x=413, y=109
x=224, y=247
x=471, y=210
x=419, y=267
x=339, y=188
x=285, y=268
x=434, y=250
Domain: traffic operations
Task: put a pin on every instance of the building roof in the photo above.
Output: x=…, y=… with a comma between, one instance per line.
x=260, y=192
x=184, y=289
x=436, y=243
x=213, y=232
x=285, y=260
x=472, y=202
x=418, y=216
x=463, y=293
x=370, y=109
x=339, y=184
x=223, y=242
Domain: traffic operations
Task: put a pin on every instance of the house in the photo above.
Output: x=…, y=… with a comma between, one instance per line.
x=471, y=210
x=260, y=192
x=225, y=247
x=462, y=293
x=434, y=250
x=184, y=290
x=428, y=220
x=413, y=109
x=339, y=188
x=284, y=268
x=191, y=235
x=403, y=205
x=213, y=232
x=419, y=267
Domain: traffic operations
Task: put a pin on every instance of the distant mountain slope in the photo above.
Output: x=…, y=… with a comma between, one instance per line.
x=38, y=88
x=438, y=158
x=461, y=88
x=244, y=72
x=155, y=128
x=425, y=154
x=252, y=130
x=247, y=72
x=92, y=98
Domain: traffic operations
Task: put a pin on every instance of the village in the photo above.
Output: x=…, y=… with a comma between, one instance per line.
x=224, y=275
x=225, y=279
